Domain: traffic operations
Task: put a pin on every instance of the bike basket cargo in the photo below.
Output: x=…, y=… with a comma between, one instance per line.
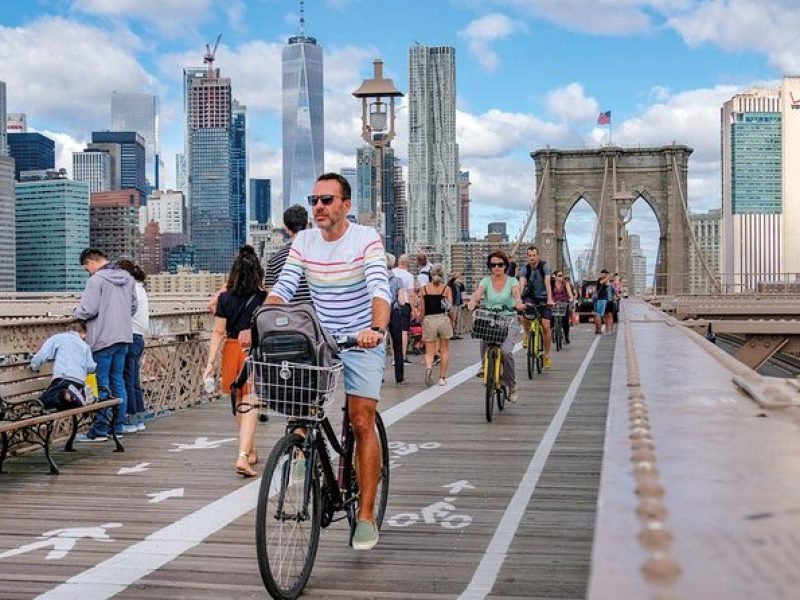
x=560, y=309
x=293, y=359
x=491, y=326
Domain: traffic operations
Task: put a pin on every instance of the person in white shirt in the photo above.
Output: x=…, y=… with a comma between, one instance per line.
x=403, y=274
x=133, y=360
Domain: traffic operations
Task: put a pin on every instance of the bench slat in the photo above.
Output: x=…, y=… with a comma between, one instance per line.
x=29, y=387
x=6, y=426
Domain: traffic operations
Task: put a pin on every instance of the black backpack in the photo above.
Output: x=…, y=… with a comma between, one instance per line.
x=285, y=335
x=530, y=291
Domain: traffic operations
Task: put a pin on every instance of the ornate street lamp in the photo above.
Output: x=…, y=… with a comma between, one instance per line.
x=377, y=122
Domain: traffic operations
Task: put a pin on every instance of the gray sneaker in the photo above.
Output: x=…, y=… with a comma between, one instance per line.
x=513, y=396
x=365, y=536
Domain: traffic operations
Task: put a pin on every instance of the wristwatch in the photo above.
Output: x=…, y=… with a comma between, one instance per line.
x=380, y=330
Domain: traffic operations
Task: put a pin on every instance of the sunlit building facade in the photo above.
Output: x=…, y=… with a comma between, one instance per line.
x=140, y=113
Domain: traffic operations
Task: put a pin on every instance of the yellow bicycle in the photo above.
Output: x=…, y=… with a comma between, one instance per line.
x=492, y=326
x=535, y=351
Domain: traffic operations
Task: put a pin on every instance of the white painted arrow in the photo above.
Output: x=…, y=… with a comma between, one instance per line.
x=140, y=468
x=201, y=443
x=165, y=495
x=457, y=486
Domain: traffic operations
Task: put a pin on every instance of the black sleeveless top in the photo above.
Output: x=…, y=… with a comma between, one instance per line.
x=433, y=302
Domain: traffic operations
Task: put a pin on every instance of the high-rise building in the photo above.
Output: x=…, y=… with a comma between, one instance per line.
x=350, y=174
x=303, y=116
x=93, y=167
x=499, y=227
x=17, y=123
x=140, y=113
x=52, y=228
x=432, y=149
x=463, y=205
x=8, y=272
x=239, y=170
x=189, y=75
x=213, y=222
x=127, y=173
x=706, y=227
x=790, y=135
x=261, y=200
x=364, y=190
x=32, y=152
x=3, y=118
x=181, y=175
x=469, y=257
x=114, y=223
x=400, y=210
x=151, y=253
x=638, y=266
x=366, y=205
x=168, y=209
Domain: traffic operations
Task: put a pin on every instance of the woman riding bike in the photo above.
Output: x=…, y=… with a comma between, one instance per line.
x=499, y=291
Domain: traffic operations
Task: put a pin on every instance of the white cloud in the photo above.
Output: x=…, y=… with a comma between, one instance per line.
x=766, y=26
x=570, y=103
x=483, y=32
x=65, y=146
x=55, y=72
x=497, y=133
x=169, y=16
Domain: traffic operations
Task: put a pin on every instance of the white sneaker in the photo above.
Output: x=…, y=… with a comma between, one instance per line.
x=140, y=427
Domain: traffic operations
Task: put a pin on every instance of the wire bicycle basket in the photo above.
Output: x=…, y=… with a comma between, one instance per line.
x=491, y=326
x=560, y=309
x=287, y=389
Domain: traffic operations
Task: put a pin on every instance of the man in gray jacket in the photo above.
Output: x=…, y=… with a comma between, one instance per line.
x=107, y=305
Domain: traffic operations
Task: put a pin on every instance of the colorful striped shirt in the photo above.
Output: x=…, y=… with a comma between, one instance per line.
x=343, y=276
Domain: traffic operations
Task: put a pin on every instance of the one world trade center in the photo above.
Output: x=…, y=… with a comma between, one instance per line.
x=303, y=120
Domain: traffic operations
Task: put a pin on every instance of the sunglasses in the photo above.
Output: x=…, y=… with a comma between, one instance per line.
x=499, y=265
x=326, y=199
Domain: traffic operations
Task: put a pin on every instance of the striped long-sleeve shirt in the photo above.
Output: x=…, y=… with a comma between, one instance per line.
x=343, y=276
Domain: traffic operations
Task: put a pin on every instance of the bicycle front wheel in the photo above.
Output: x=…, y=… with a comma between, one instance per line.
x=491, y=379
x=530, y=352
x=287, y=519
x=539, y=348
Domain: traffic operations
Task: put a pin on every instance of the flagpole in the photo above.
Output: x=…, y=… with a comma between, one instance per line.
x=610, y=126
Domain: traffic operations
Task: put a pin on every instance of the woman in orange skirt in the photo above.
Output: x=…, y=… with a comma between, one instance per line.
x=234, y=310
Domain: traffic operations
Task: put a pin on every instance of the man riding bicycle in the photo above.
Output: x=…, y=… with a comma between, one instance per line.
x=345, y=266
x=534, y=282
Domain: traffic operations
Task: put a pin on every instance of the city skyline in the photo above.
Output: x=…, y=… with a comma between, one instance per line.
x=507, y=105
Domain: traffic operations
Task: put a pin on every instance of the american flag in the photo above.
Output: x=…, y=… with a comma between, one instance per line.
x=604, y=118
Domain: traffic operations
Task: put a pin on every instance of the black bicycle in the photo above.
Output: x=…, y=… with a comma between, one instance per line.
x=303, y=487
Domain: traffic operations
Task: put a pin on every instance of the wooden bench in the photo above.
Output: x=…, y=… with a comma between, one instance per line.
x=24, y=420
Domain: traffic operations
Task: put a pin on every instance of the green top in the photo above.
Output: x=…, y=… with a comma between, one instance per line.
x=495, y=299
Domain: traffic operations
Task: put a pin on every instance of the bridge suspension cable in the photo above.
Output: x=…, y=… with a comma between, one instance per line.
x=531, y=212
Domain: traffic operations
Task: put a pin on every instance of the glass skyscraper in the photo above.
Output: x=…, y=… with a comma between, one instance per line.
x=93, y=167
x=239, y=170
x=32, y=152
x=261, y=201
x=3, y=119
x=52, y=227
x=303, y=118
x=131, y=173
x=212, y=207
x=432, y=149
x=140, y=113
x=7, y=244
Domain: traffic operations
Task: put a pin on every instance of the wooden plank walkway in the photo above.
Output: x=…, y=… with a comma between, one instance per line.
x=443, y=442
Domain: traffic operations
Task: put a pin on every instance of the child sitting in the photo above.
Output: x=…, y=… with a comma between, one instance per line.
x=72, y=362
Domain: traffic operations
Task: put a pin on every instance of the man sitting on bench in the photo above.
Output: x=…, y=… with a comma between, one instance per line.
x=73, y=361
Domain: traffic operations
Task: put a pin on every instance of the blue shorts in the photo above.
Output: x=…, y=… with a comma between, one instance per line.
x=600, y=307
x=363, y=371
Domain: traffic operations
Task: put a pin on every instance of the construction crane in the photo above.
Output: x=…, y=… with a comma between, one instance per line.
x=209, y=55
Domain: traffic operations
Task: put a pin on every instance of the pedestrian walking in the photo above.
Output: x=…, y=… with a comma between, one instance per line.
x=234, y=311
x=435, y=303
x=397, y=293
x=401, y=271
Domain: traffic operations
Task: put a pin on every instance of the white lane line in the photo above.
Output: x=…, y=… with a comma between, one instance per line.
x=117, y=573
x=486, y=574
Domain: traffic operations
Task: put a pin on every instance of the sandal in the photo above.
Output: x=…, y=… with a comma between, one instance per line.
x=252, y=457
x=245, y=471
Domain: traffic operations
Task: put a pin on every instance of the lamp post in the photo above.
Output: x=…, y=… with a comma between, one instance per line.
x=377, y=123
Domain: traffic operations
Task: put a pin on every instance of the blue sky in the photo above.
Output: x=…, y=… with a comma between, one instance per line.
x=529, y=73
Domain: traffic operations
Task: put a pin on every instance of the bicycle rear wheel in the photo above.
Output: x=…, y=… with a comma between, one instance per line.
x=382, y=492
x=287, y=519
x=559, y=333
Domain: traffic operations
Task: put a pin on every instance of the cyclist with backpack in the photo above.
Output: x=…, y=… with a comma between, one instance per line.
x=534, y=281
x=345, y=266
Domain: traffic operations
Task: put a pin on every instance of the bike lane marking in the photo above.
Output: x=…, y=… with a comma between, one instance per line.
x=115, y=574
x=485, y=575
